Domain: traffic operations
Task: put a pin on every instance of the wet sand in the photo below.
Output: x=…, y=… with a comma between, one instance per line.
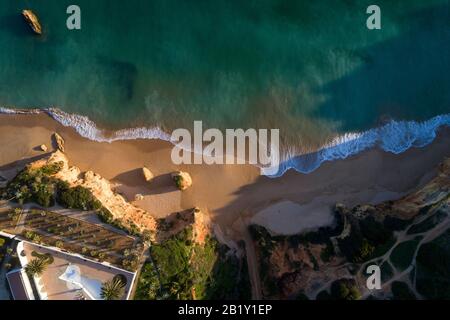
x=227, y=192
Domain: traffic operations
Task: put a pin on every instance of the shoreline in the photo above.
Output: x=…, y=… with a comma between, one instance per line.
x=407, y=134
x=231, y=194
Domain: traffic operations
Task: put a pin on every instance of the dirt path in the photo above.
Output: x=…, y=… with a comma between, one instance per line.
x=402, y=236
x=253, y=267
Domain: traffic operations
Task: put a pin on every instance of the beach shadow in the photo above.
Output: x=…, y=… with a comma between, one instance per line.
x=131, y=178
x=161, y=184
x=23, y=162
x=38, y=149
x=134, y=178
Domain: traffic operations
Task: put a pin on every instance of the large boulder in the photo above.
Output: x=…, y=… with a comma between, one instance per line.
x=59, y=141
x=182, y=180
x=148, y=175
x=32, y=21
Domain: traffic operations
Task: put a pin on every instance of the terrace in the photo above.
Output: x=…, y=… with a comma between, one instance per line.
x=81, y=254
x=75, y=235
x=70, y=277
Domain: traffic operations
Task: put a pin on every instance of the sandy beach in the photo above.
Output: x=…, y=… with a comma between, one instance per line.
x=231, y=194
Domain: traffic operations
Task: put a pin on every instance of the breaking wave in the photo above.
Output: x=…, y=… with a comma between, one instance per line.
x=395, y=137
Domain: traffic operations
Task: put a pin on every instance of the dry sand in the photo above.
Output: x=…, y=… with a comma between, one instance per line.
x=287, y=217
x=227, y=192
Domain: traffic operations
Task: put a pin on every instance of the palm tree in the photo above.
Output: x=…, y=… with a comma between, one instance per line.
x=35, y=267
x=113, y=289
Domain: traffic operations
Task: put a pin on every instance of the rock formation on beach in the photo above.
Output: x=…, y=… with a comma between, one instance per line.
x=59, y=141
x=182, y=180
x=32, y=21
x=148, y=175
x=128, y=215
x=138, y=197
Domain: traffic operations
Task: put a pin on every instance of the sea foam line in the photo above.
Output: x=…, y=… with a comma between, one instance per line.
x=395, y=137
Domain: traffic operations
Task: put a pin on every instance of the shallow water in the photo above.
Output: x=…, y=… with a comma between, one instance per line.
x=310, y=68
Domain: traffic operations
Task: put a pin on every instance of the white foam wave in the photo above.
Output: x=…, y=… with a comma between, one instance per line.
x=88, y=129
x=395, y=137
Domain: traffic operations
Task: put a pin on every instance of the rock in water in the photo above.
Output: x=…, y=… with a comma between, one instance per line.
x=148, y=175
x=182, y=180
x=43, y=147
x=59, y=141
x=32, y=21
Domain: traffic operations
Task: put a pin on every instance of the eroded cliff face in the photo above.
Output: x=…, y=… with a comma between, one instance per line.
x=103, y=191
x=396, y=236
x=123, y=211
x=436, y=192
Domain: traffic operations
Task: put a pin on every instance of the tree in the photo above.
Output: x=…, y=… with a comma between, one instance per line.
x=113, y=289
x=35, y=267
x=345, y=289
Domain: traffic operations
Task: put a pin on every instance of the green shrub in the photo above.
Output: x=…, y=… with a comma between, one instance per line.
x=52, y=168
x=345, y=289
x=47, y=258
x=78, y=198
x=105, y=215
x=148, y=287
x=36, y=185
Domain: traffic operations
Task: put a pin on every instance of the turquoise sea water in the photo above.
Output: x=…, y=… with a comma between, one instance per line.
x=310, y=68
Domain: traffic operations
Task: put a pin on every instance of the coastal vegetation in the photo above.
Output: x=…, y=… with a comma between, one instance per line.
x=345, y=289
x=433, y=268
x=113, y=289
x=39, y=185
x=34, y=185
x=77, y=198
x=182, y=180
x=74, y=235
x=180, y=268
x=407, y=238
x=3, y=247
x=368, y=238
x=341, y=289
x=302, y=251
x=37, y=266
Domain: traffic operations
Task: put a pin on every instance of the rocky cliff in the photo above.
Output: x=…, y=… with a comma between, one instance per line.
x=123, y=211
x=408, y=239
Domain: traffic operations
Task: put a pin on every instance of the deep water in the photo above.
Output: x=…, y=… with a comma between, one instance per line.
x=310, y=68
